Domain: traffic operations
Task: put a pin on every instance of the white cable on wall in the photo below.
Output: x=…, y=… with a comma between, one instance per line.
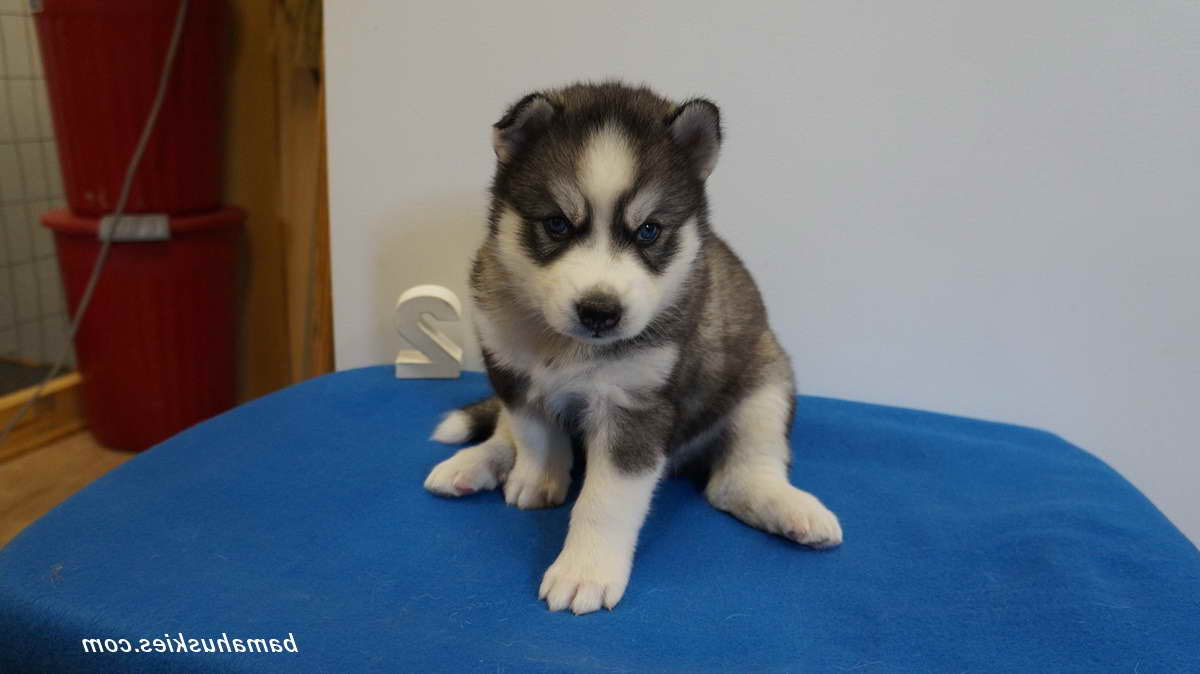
x=164, y=80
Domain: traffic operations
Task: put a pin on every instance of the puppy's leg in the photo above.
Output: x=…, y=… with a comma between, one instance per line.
x=477, y=468
x=543, y=468
x=750, y=480
x=624, y=463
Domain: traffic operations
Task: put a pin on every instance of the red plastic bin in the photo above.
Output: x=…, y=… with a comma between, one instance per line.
x=102, y=61
x=157, y=346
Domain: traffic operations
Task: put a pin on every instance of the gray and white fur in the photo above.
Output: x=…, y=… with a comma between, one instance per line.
x=609, y=312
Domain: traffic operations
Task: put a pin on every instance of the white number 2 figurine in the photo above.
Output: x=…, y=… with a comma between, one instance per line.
x=434, y=355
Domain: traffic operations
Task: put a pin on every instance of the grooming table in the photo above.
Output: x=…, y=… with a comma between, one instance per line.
x=970, y=546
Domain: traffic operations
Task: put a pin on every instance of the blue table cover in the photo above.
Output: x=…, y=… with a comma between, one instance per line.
x=970, y=546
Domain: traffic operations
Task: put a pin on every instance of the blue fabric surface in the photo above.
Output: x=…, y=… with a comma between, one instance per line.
x=970, y=546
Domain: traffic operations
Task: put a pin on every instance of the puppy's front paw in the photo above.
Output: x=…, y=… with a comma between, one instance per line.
x=584, y=584
x=470, y=470
x=530, y=486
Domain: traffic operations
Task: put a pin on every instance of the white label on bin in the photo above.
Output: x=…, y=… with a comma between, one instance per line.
x=135, y=227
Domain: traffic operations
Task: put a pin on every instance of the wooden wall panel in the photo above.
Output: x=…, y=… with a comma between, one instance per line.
x=252, y=182
x=275, y=169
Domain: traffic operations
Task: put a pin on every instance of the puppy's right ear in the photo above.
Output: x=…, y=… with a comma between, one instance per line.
x=523, y=122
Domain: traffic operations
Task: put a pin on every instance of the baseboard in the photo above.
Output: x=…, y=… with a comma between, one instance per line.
x=58, y=412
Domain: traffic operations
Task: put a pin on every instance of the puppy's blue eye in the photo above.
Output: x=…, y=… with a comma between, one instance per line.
x=648, y=232
x=557, y=225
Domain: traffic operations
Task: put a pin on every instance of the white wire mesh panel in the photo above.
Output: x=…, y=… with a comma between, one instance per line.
x=33, y=315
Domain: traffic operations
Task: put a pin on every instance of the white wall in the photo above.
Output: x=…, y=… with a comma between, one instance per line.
x=990, y=210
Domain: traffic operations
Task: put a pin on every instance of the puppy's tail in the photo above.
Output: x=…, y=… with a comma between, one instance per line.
x=473, y=423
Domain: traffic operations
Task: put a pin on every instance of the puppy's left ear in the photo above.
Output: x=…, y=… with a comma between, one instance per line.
x=696, y=128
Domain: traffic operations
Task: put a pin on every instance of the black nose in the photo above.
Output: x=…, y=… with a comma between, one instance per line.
x=599, y=312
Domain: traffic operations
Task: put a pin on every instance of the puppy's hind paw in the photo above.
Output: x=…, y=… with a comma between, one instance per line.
x=780, y=509
x=807, y=521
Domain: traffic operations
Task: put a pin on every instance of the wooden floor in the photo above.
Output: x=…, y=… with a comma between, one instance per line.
x=36, y=481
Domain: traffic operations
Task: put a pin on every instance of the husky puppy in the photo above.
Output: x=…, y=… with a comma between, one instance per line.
x=610, y=312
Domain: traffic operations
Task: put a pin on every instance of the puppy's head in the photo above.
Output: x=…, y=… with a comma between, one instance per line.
x=598, y=204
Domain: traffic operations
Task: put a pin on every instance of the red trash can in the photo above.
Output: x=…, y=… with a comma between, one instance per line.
x=102, y=62
x=157, y=346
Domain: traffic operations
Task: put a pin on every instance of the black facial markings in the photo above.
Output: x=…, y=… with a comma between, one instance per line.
x=554, y=152
x=540, y=245
x=659, y=254
x=656, y=255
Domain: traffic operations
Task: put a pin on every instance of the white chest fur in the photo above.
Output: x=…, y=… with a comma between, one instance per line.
x=603, y=382
x=559, y=376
